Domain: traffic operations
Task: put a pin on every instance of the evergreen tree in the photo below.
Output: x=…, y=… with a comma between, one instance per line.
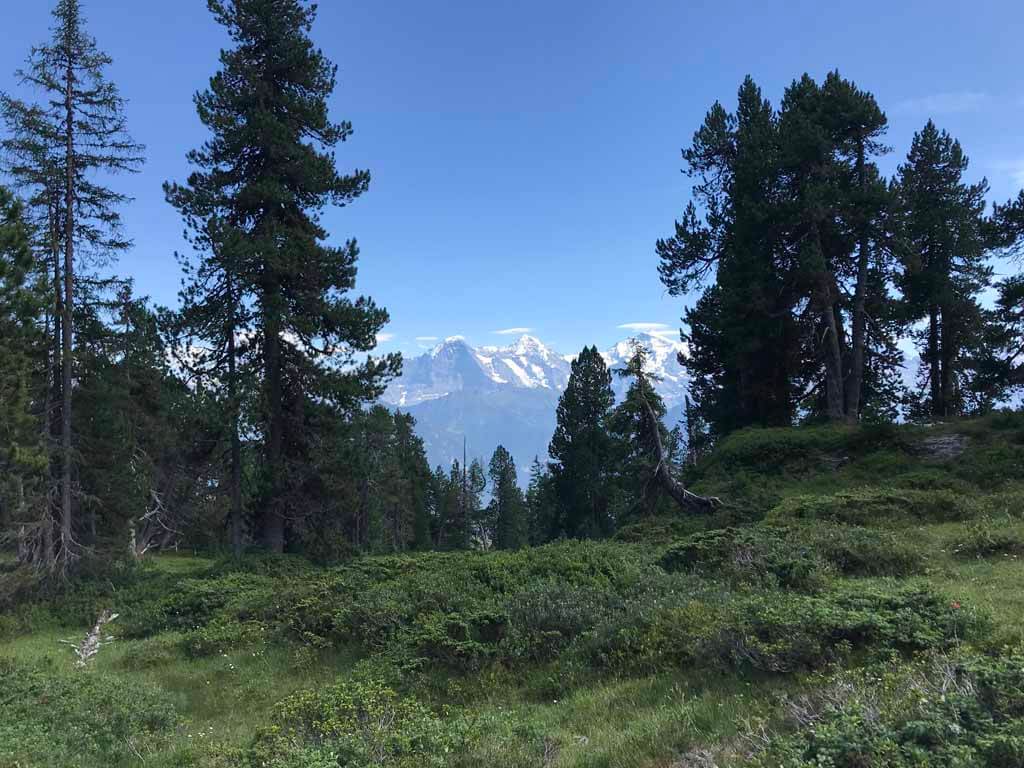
x=507, y=502
x=267, y=172
x=945, y=239
x=582, y=451
x=744, y=351
x=794, y=221
x=461, y=517
x=76, y=134
x=24, y=511
x=630, y=426
x=541, y=505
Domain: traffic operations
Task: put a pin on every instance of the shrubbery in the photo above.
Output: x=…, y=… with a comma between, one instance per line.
x=53, y=718
x=795, y=557
x=356, y=723
x=944, y=712
x=873, y=506
x=988, y=537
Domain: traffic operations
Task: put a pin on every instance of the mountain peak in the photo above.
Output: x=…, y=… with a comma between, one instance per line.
x=448, y=343
x=527, y=344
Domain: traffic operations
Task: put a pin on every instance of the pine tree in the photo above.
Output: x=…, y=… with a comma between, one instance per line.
x=541, y=505
x=945, y=239
x=744, y=333
x=507, y=502
x=581, y=449
x=630, y=426
x=795, y=221
x=267, y=171
x=79, y=132
x=24, y=511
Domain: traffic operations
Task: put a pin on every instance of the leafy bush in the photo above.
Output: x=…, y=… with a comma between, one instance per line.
x=789, y=631
x=855, y=551
x=758, y=555
x=358, y=724
x=873, y=506
x=988, y=537
x=943, y=712
x=795, y=557
x=221, y=636
x=67, y=719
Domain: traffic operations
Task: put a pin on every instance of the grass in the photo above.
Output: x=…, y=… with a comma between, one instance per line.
x=422, y=624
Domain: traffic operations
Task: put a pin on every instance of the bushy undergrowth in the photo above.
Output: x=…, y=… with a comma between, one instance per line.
x=356, y=723
x=794, y=557
x=799, y=574
x=52, y=718
x=943, y=712
x=873, y=506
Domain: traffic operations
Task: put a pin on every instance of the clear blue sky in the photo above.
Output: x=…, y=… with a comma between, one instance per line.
x=525, y=156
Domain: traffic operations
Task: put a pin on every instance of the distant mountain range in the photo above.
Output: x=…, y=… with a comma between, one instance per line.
x=508, y=395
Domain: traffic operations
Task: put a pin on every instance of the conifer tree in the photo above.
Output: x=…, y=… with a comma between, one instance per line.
x=507, y=502
x=541, y=504
x=24, y=511
x=78, y=132
x=744, y=334
x=945, y=239
x=267, y=171
x=581, y=449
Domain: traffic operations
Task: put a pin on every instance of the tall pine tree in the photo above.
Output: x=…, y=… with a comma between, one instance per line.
x=582, y=450
x=507, y=502
x=268, y=171
x=945, y=240
x=77, y=134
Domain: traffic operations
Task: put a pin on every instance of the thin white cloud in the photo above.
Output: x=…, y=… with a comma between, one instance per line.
x=426, y=338
x=646, y=327
x=954, y=102
x=384, y=338
x=512, y=331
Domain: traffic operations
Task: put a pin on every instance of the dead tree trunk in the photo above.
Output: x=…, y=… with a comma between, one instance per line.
x=662, y=480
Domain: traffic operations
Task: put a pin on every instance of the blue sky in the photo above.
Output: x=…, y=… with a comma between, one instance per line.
x=525, y=156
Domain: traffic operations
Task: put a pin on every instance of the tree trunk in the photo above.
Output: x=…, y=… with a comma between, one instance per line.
x=833, y=357
x=946, y=356
x=273, y=519
x=855, y=381
x=662, y=479
x=66, y=328
x=934, y=369
x=236, y=442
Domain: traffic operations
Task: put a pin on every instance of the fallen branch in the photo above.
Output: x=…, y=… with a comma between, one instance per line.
x=87, y=649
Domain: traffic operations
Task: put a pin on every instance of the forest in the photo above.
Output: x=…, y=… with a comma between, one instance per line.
x=817, y=566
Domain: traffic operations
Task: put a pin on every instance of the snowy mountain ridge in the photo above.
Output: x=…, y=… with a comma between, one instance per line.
x=507, y=395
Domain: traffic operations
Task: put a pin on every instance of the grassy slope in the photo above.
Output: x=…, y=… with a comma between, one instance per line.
x=557, y=712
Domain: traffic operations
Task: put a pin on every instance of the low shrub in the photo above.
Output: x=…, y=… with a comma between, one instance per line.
x=763, y=556
x=223, y=636
x=48, y=717
x=799, y=557
x=873, y=506
x=855, y=551
x=989, y=537
x=944, y=712
x=790, y=632
x=153, y=652
x=358, y=724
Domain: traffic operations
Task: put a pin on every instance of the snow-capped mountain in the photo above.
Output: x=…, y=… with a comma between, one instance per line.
x=454, y=366
x=662, y=362
x=490, y=396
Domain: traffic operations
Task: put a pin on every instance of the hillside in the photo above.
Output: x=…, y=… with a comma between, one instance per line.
x=854, y=602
